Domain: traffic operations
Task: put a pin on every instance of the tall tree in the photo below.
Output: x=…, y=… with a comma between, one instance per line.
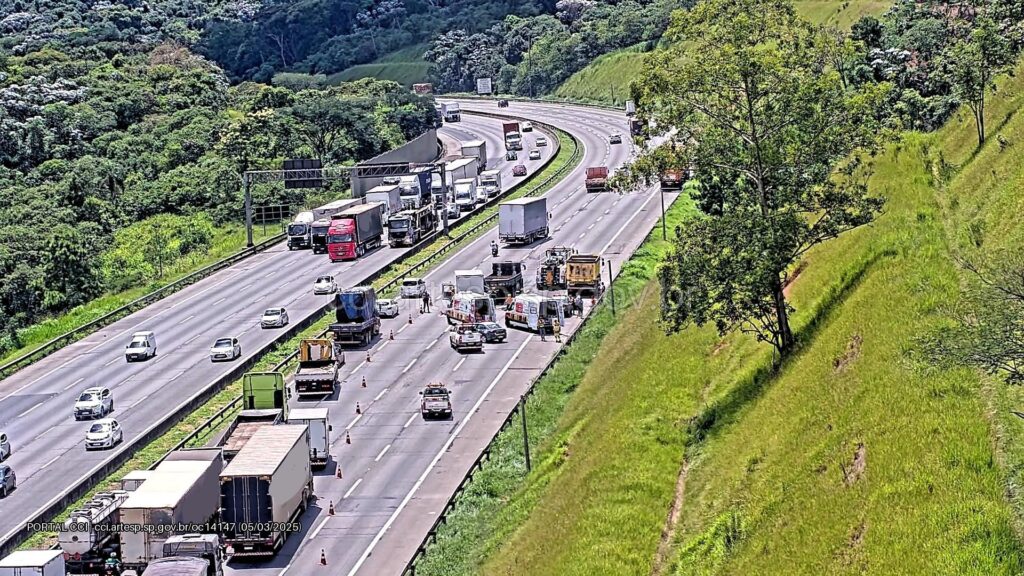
x=776, y=140
x=972, y=65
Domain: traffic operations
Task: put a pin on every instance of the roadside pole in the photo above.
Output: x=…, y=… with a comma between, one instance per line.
x=611, y=287
x=444, y=200
x=526, y=437
x=248, y=210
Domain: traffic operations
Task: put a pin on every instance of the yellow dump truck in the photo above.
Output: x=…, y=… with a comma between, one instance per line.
x=317, y=373
x=583, y=274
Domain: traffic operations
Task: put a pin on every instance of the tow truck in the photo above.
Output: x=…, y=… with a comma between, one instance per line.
x=436, y=402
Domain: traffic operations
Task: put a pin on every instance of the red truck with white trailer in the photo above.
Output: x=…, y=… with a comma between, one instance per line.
x=513, y=135
x=354, y=231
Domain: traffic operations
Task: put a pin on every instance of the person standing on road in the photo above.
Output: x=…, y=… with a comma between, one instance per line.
x=579, y=305
x=508, y=302
x=557, y=329
x=425, y=305
x=540, y=329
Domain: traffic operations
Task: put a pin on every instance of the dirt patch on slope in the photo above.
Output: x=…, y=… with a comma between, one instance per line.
x=788, y=287
x=855, y=469
x=661, y=556
x=851, y=353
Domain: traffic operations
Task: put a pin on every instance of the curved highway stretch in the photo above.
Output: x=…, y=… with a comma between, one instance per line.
x=399, y=470
x=49, y=455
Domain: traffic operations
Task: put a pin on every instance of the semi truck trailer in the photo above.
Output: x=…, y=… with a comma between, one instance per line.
x=523, y=220
x=476, y=149
x=353, y=232
x=410, y=226
x=356, y=315
x=388, y=197
x=318, y=420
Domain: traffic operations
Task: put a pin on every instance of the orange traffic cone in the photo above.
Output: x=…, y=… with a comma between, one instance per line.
x=410, y=318
x=391, y=336
x=348, y=439
x=368, y=356
x=363, y=385
x=358, y=411
x=339, y=476
x=323, y=558
x=331, y=509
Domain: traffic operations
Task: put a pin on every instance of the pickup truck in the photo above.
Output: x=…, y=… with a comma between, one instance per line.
x=506, y=279
x=465, y=337
x=436, y=402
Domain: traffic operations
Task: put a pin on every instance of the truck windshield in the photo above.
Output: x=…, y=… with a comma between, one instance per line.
x=463, y=193
x=435, y=392
x=338, y=238
x=398, y=224
x=138, y=344
x=297, y=229
x=408, y=191
x=321, y=230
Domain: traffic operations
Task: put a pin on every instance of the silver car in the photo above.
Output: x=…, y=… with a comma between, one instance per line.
x=325, y=285
x=542, y=141
x=8, y=480
x=5, y=447
x=94, y=403
x=105, y=433
x=225, y=349
x=274, y=318
x=534, y=154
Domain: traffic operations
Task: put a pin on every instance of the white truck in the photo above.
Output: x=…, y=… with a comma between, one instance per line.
x=465, y=337
x=470, y=281
x=319, y=363
x=330, y=209
x=476, y=149
x=177, y=566
x=33, y=563
x=267, y=485
x=523, y=220
x=490, y=183
x=459, y=169
x=451, y=112
x=465, y=194
x=300, y=231
x=388, y=197
x=183, y=490
x=318, y=421
x=142, y=346
x=528, y=310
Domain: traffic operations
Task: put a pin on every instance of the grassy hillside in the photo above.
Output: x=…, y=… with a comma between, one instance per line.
x=851, y=458
x=405, y=66
x=607, y=78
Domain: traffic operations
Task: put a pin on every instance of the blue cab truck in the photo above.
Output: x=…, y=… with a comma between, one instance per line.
x=355, y=310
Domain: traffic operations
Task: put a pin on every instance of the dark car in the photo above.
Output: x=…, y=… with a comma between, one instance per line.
x=8, y=480
x=491, y=332
x=503, y=103
x=519, y=170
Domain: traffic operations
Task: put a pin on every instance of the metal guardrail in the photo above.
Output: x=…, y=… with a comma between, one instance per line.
x=156, y=430
x=542, y=99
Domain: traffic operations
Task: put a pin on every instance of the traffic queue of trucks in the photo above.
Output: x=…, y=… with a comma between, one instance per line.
x=523, y=220
x=354, y=232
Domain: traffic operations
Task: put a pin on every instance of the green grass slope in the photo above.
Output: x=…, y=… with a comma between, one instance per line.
x=606, y=80
x=405, y=66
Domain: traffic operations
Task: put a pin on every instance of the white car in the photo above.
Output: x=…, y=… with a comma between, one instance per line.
x=105, y=433
x=534, y=154
x=94, y=403
x=274, y=318
x=325, y=285
x=413, y=288
x=387, y=308
x=527, y=127
x=465, y=336
x=615, y=139
x=225, y=349
x=542, y=141
x=5, y=447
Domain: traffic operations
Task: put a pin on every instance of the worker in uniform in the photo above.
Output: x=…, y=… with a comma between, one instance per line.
x=556, y=327
x=540, y=329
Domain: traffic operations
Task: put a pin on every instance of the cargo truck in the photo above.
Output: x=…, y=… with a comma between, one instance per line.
x=476, y=149
x=636, y=127
x=506, y=279
x=265, y=490
x=490, y=183
x=528, y=310
x=459, y=169
x=630, y=108
x=410, y=226
x=450, y=111
x=414, y=189
x=551, y=274
x=672, y=179
x=356, y=315
x=319, y=363
x=88, y=531
x=181, y=492
x=300, y=231
x=242, y=428
x=33, y=563
x=181, y=566
x=513, y=135
x=465, y=194
x=597, y=179
x=201, y=546
x=318, y=420
x=469, y=281
x=389, y=199
x=353, y=232
x=470, y=307
x=523, y=220
x=583, y=274
x=264, y=390
x=318, y=235
x=327, y=211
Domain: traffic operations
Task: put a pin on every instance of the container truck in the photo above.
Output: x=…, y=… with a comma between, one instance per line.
x=465, y=194
x=438, y=192
x=450, y=111
x=88, y=531
x=318, y=420
x=410, y=226
x=242, y=428
x=597, y=179
x=470, y=307
x=319, y=363
x=182, y=492
x=529, y=309
x=490, y=183
x=459, y=169
x=265, y=490
x=583, y=274
x=672, y=179
x=630, y=108
x=414, y=189
x=523, y=220
x=326, y=211
x=356, y=315
x=318, y=235
x=636, y=127
x=177, y=566
x=388, y=197
x=505, y=279
x=476, y=149
x=353, y=232
x=513, y=135
x=33, y=563
x=469, y=281
x=134, y=479
x=299, y=231
x=203, y=546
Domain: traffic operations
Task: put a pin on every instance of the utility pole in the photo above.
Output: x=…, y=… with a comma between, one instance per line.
x=526, y=437
x=664, y=232
x=444, y=200
x=248, y=210
x=611, y=287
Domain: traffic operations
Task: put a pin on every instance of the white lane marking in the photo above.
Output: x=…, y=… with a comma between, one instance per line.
x=352, y=489
x=219, y=301
x=463, y=359
x=139, y=401
x=318, y=529
x=432, y=342
x=377, y=397
x=408, y=422
x=179, y=374
x=582, y=234
x=186, y=319
x=269, y=274
x=112, y=361
x=383, y=345
x=625, y=225
x=55, y=458
x=405, y=501
x=353, y=422
x=73, y=383
x=591, y=226
x=599, y=218
x=358, y=367
x=189, y=341
x=404, y=326
x=382, y=453
x=406, y=369
x=22, y=415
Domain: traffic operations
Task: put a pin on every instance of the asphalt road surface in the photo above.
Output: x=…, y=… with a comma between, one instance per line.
x=49, y=455
x=399, y=470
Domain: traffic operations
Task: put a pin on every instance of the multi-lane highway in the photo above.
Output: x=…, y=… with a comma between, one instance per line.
x=399, y=470
x=36, y=403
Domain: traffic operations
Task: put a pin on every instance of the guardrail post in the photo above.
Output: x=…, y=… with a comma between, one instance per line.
x=526, y=436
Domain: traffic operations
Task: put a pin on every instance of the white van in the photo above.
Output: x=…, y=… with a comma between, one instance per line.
x=142, y=346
